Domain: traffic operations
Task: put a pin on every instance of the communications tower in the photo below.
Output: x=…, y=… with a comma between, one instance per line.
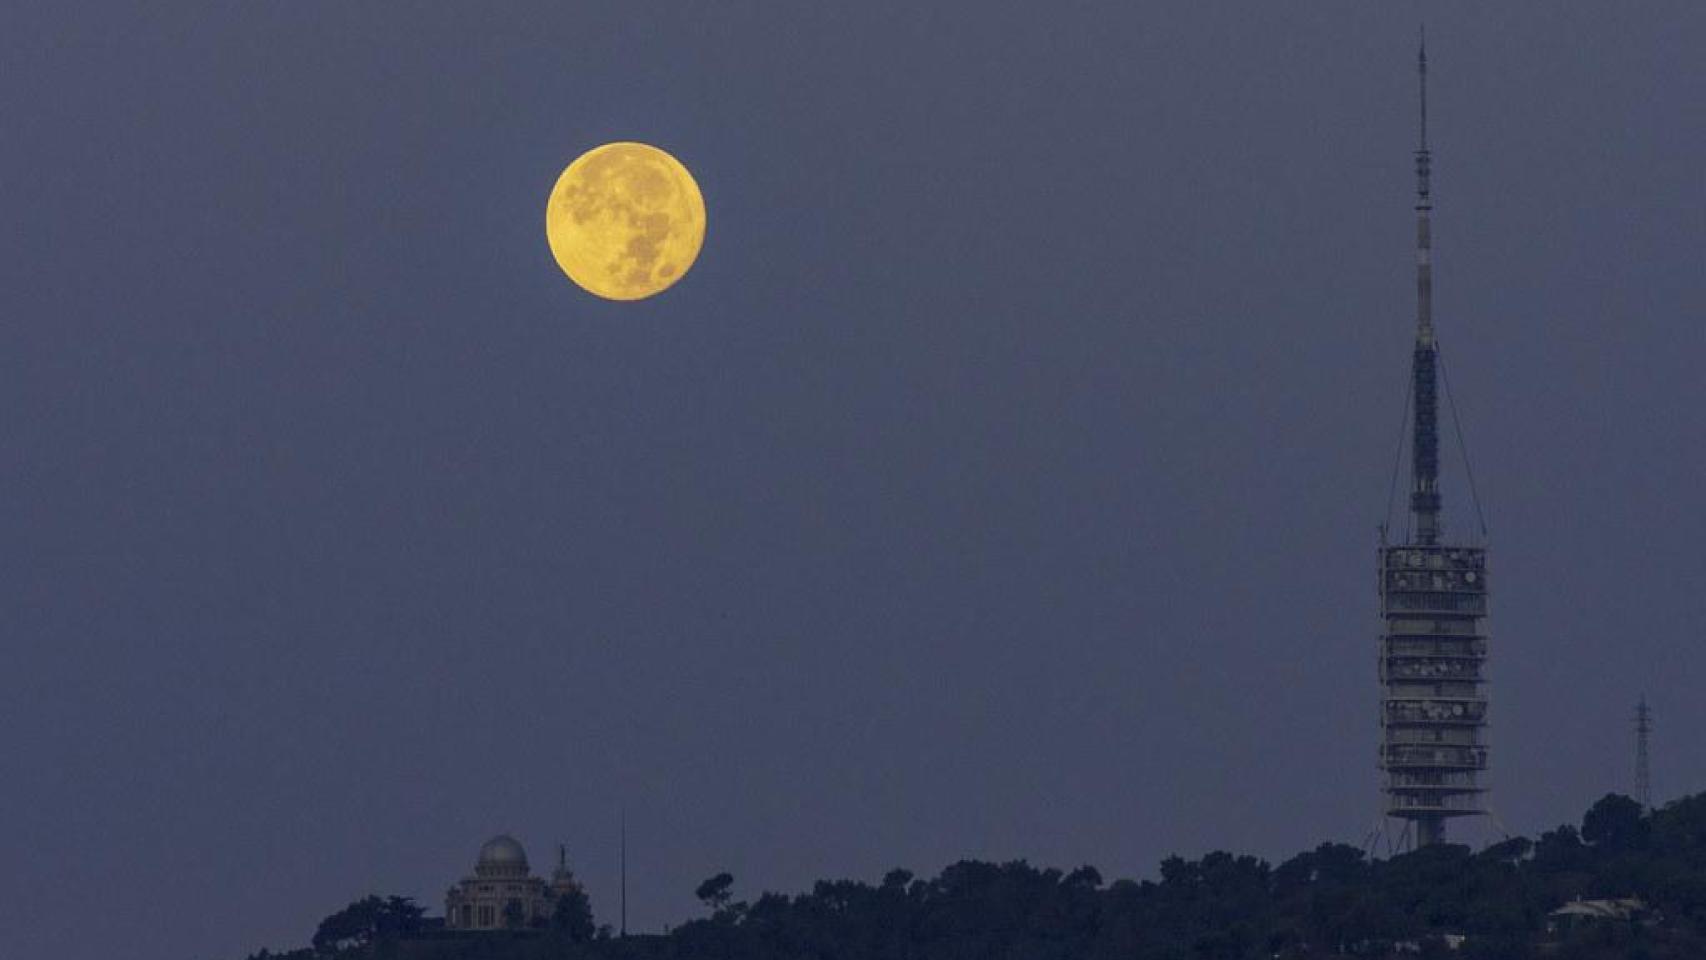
x=1433, y=602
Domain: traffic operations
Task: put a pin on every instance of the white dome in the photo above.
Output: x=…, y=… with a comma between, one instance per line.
x=502, y=851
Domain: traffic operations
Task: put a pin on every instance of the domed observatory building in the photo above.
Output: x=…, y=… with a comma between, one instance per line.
x=502, y=894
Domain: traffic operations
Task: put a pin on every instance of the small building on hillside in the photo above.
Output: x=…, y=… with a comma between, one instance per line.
x=1580, y=913
x=502, y=893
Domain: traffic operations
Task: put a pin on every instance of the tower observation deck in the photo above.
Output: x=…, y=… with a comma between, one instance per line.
x=1433, y=602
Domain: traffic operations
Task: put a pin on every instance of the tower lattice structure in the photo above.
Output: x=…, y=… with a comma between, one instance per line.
x=1643, y=763
x=1433, y=602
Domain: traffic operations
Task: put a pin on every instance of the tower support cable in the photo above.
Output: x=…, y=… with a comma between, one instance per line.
x=1462, y=445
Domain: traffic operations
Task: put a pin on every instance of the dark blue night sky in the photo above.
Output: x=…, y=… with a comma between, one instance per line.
x=1002, y=481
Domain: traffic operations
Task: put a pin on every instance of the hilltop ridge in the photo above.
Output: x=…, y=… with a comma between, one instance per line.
x=1646, y=870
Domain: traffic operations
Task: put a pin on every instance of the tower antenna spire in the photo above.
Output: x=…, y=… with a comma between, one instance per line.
x=1424, y=460
x=1422, y=73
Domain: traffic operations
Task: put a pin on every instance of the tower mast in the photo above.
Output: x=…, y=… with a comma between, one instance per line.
x=1424, y=454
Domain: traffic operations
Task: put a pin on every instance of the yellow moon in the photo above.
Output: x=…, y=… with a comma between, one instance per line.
x=625, y=221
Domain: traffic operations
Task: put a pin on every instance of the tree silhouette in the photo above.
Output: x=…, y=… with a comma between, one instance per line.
x=1616, y=822
x=572, y=915
x=367, y=920
x=714, y=893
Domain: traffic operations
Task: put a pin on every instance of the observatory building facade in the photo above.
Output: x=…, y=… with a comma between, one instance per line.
x=1433, y=604
x=502, y=892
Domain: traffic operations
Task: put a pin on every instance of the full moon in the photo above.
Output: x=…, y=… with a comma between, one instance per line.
x=625, y=221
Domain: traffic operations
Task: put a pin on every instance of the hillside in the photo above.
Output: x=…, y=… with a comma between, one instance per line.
x=1329, y=901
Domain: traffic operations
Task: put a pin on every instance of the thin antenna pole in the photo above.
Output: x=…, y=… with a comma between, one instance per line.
x=1643, y=767
x=624, y=858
